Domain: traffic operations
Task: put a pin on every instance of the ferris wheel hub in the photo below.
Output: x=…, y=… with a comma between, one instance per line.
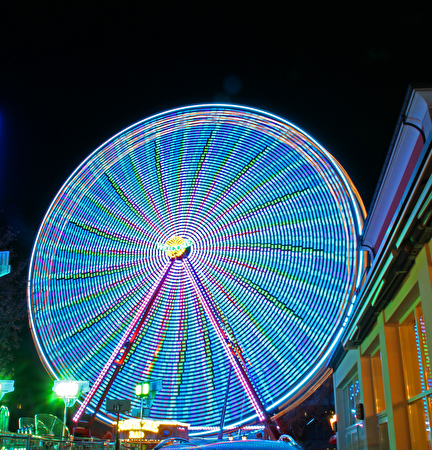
x=176, y=246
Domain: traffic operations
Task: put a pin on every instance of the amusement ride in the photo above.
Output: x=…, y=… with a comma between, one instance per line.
x=212, y=247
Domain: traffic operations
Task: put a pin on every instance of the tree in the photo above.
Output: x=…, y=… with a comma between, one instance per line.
x=12, y=304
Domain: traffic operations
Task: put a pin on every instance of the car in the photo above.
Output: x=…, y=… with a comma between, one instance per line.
x=285, y=442
x=175, y=443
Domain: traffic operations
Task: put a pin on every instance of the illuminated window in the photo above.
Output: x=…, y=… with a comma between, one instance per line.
x=418, y=377
x=352, y=398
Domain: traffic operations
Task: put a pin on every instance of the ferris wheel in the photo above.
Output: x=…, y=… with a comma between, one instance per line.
x=200, y=241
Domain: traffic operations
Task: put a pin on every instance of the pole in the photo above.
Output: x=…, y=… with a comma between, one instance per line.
x=220, y=434
x=117, y=431
x=64, y=418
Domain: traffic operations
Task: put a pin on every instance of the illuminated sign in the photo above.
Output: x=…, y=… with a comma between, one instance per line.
x=138, y=425
x=148, y=428
x=136, y=434
x=175, y=246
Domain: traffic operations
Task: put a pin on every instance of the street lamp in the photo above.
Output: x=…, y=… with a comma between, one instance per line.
x=69, y=391
x=147, y=391
x=142, y=390
x=6, y=386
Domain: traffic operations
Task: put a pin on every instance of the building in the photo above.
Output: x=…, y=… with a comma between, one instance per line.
x=382, y=371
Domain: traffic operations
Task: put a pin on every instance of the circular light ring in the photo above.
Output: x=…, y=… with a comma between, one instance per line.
x=273, y=223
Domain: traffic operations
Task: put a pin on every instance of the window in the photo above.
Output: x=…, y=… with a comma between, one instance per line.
x=418, y=377
x=352, y=397
x=353, y=427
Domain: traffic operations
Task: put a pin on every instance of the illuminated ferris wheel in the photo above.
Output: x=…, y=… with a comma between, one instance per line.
x=200, y=241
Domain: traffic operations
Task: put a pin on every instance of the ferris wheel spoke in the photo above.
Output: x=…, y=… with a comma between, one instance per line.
x=226, y=343
x=135, y=209
x=212, y=183
x=232, y=186
x=213, y=211
x=149, y=201
x=227, y=222
x=120, y=219
x=125, y=343
x=196, y=179
x=162, y=187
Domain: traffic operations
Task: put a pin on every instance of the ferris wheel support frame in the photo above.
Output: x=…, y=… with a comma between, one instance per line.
x=237, y=363
x=123, y=348
x=126, y=343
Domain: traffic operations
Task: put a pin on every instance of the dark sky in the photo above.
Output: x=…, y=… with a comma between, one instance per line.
x=72, y=76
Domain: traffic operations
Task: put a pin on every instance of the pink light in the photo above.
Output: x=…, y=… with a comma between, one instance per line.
x=228, y=352
x=121, y=343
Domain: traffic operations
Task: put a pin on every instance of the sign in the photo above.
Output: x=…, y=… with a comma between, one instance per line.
x=150, y=430
x=117, y=406
x=139, y=425
x=175, y=246
x=136, y=434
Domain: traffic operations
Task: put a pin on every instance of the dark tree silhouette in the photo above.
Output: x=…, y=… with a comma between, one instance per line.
x=12, y=304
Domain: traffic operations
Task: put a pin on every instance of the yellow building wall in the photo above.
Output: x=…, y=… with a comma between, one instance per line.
x=394, y=371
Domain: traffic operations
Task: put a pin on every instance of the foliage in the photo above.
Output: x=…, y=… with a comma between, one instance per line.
x=12, y=304
x=317, y=408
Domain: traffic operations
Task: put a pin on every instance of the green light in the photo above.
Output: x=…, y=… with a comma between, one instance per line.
x=66, y=389
x=374, y=298
x=142, y=389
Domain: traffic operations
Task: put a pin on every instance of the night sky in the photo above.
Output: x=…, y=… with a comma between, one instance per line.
x=72, y=76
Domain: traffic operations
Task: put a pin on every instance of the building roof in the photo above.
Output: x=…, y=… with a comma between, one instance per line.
x=399, y=220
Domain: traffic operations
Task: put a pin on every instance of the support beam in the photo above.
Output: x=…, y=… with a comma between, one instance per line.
x=229, y=349
x=124, y=346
